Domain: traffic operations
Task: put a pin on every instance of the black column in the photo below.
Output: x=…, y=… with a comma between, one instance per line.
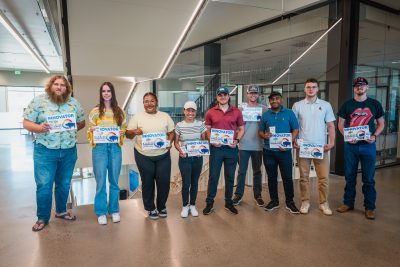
x=212, y=72
x=341, y=62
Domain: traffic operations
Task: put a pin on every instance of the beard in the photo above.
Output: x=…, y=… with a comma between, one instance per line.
x=58, y=99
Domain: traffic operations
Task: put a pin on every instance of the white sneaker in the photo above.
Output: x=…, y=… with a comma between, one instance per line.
x=305, y=206
x=325, y=208
x=185, y=212
x=193, y=211
x=115, y=217
x=102, y=220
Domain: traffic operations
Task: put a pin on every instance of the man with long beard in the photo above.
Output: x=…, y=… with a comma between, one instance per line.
x=54, y=117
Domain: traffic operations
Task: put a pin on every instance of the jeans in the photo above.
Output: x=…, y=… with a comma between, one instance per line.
x=190, y=168
x=256, y=159
x=154, y=171
x=366, y=154
x=283, y=159
x=219, y=155
x=107, y=158
x=52, y=166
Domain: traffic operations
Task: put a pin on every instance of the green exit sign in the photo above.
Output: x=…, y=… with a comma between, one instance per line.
x=17, y=72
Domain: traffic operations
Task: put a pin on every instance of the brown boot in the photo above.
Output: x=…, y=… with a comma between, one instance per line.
x=344, y=208
x=370, y=214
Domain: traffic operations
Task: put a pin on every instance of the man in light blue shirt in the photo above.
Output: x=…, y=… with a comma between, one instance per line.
x=315, y=117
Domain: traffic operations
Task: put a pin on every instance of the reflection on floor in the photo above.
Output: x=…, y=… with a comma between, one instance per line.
x=253, y=237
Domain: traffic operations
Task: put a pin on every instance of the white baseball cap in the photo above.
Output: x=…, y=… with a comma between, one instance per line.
x=190, y=104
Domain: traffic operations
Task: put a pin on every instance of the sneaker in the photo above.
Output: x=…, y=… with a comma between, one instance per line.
x=231, y=208
x=208, y=209
x=325, y=208
x=259, y=201
x=163, y=213
x=102, y=219
x=185, y=212
x=115, y=217
x=305, y=206
x=292, y=207
x=193, y=211
x=236, y=200
x=344, y=208
x=370, y=214
x=153, y=214
x=272, y=205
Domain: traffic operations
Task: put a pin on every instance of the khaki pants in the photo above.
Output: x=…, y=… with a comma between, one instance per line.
x=322, y=170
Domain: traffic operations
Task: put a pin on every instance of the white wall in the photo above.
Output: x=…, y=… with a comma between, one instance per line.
x=8, y=78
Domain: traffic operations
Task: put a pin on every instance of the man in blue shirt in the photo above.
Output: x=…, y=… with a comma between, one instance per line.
x=274, y=121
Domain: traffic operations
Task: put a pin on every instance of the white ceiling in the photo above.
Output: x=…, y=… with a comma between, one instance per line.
x=27, y=17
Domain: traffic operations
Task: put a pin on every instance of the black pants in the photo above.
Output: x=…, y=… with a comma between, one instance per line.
x=190, y=168
x=154, y=170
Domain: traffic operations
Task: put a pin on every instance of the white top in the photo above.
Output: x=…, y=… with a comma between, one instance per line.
x=159, y=122
x=190, y=131
x=312, y=119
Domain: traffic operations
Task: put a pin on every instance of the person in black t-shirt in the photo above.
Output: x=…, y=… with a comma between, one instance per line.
x=360, y=111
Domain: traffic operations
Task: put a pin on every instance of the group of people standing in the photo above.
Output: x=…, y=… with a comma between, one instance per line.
x=229, y=135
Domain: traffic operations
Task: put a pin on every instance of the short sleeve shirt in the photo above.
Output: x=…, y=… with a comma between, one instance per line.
x=41, y=107
x=190, y=131
x=230, y=120
x=312, y=118
x=284, y=121
x=357, y=113
x=159, y=122
x=251, y=141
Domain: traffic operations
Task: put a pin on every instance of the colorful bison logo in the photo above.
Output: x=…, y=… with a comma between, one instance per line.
x=285, y=142
x=361, y=134
x=316, y=153
x=225, y=139
x=203, y=149
x=68, y=124
x=159, y=143
x=112, y=137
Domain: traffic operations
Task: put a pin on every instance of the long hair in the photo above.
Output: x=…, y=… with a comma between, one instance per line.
x=118, y=113
x=53, y=79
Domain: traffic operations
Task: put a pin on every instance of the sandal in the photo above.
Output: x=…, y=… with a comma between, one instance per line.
x=39, y=226
x=66, y=216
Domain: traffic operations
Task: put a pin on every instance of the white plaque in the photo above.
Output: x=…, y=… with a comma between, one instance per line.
x=62, y=122
x=251, y=113
x=281, y=140
x=220, y=136
x=356, y=133
x=104, y=135
x=311, y=151
x=197, y=148
x=153, y=141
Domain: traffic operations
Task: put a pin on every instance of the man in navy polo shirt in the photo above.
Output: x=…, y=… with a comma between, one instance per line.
x=278, y=120
x=223, y=117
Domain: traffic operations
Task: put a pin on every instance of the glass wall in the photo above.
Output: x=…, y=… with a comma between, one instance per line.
x=379, y=61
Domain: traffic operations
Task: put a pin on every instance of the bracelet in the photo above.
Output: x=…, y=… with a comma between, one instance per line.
x=237, y=140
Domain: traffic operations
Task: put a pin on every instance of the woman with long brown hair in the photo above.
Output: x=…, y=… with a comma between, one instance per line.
x=107, y=124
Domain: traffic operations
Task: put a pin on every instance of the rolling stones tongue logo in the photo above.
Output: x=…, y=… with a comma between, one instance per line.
x=360, y=117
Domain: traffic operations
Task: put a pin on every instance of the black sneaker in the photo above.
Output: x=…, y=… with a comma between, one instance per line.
x=153, y=214
x=163, y=213
x=292, y=207
x=236, y=200
x=231, y=208
x=272, y=205
x=259, y=201
x=208, y=209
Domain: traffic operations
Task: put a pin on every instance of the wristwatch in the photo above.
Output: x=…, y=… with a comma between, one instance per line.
x=237, y=140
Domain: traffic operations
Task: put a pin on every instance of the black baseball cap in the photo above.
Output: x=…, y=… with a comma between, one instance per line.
x=274, y=93
x=360, y=81
x=222, y=90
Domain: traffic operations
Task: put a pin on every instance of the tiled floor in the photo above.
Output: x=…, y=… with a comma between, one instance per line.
x=251, y=238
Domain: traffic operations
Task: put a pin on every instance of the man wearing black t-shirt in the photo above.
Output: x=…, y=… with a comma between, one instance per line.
x=360, y=111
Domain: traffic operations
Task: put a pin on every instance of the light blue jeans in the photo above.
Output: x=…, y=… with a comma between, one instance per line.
x=106, y=158
x=52, y=166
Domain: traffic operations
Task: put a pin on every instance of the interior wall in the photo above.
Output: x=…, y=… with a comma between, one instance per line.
x=8, y=78
x=136, y=104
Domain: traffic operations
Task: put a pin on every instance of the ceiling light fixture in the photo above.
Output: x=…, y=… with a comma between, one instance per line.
x=178, y=46
x=308, y=49
x=10, y=27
